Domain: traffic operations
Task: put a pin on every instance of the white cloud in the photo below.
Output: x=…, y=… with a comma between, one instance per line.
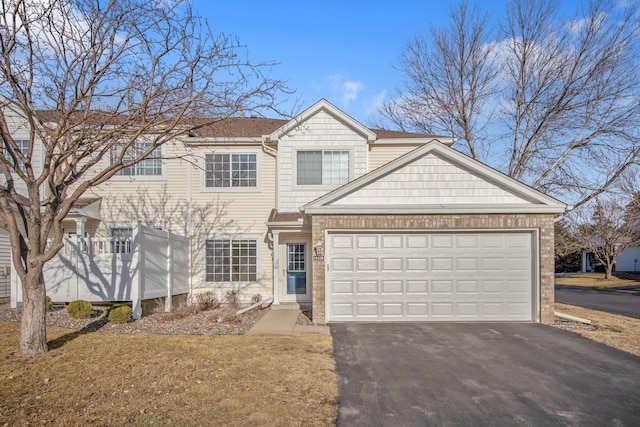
x=338, y=86
x=350, y=91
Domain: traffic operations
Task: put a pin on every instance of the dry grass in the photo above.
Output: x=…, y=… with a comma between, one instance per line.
x=104, y=379
x=616, y=331
x=597, y=280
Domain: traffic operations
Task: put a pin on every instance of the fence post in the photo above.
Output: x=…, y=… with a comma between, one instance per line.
x=137, y=285
x=168, y=301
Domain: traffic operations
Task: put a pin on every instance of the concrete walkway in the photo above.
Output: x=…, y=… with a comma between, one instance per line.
x=284, y=322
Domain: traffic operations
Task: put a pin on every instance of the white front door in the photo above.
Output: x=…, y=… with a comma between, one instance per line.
x=297, y=271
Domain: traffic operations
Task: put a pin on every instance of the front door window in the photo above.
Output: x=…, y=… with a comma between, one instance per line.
x=296, y=269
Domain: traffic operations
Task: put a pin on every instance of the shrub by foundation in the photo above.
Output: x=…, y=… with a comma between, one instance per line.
x=80, y=309
x=48, y=304
x=206, y=301
x=119, y=313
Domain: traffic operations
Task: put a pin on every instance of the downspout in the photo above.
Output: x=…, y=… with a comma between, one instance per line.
x=275, y=268
x=189, y=216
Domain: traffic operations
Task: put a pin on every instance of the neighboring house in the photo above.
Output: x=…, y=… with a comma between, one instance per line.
x=628, y=260
x=359, y=224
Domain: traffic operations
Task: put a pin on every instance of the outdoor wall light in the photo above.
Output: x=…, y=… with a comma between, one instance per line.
x=319, y=250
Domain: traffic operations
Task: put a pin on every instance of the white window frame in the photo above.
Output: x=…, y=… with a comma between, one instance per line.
x=121, y=246
x=20, y=142
x=161, y=158
x=294, y=161
x=255, y=237
x=230, y=189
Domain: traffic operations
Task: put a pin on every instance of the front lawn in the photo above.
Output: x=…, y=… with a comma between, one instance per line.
x=614, y=330
x=597, y=280
x=109, y=379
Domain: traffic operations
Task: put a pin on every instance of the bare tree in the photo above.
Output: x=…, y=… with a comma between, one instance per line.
x=566, y=93
x=611, y=229
x=174, y=214
x=100, y=85
x=449, y=79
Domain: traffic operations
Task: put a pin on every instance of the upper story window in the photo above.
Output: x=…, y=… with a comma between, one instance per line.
x=328, y=167
x=23, y=147
x=149, y=166
x=231, y=170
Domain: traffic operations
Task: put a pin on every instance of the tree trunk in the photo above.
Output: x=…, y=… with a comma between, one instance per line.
x=33, y=334
x=608, y=271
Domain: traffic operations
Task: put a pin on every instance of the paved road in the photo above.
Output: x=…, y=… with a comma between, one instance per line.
x=479, y=374
x=627, y=304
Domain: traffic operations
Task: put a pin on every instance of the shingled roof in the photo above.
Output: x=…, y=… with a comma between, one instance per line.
x=255, y=127
x=231, y=127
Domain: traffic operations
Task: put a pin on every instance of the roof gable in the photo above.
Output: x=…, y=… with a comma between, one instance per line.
x=435, y=179
x=326, y=106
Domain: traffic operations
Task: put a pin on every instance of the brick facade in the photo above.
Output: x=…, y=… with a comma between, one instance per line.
x=542, y=222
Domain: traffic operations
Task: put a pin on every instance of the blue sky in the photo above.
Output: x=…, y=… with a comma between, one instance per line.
x=344, y=51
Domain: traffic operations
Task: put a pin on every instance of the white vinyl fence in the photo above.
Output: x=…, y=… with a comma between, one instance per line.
x=151, y=264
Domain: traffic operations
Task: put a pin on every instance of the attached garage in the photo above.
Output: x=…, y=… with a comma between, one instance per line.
x=433, y=236
x=430, y=276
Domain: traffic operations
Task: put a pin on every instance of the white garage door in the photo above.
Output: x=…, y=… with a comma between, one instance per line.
x=458, y=276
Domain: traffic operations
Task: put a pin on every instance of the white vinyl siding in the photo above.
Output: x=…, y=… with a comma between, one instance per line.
x=431, y=180
x=231, y=170
x=321, y=132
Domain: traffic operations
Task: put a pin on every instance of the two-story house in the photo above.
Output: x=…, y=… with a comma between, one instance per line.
x=361, y=224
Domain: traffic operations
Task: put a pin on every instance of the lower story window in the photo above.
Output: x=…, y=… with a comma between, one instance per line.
x=231, y=260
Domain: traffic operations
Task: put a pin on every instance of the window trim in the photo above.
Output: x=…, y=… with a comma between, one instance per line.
x=231, y=152
x=313, y=187
x=163, y=162
x=19, y=142
x=203, y=244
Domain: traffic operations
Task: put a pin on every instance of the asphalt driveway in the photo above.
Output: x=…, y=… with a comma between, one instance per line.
x=626, y=303
x=479, y=374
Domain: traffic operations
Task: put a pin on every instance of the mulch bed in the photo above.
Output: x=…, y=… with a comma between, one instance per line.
x=215, y=322
x=572, y=326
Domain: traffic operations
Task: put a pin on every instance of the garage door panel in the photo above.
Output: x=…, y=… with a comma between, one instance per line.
x=391, y=287
x=467, y=264
x=417, y=309
x=342, y=287
x=417, y=287
x=466, y=309
x=466, y=241
x=442, y=309
x=364, y=287
x=392, y=241
x=366, y=242
x=430, y=276
x=442, y=241
x=467, y=287
x=392, y=309
x=392, y=264
x=417, y=264
x=417, y=241
x=493, y=286
x=442, y=264
x=364, y=309
x=367, y=264
x=492, y=264
x=337, y=241
x=341, y=265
